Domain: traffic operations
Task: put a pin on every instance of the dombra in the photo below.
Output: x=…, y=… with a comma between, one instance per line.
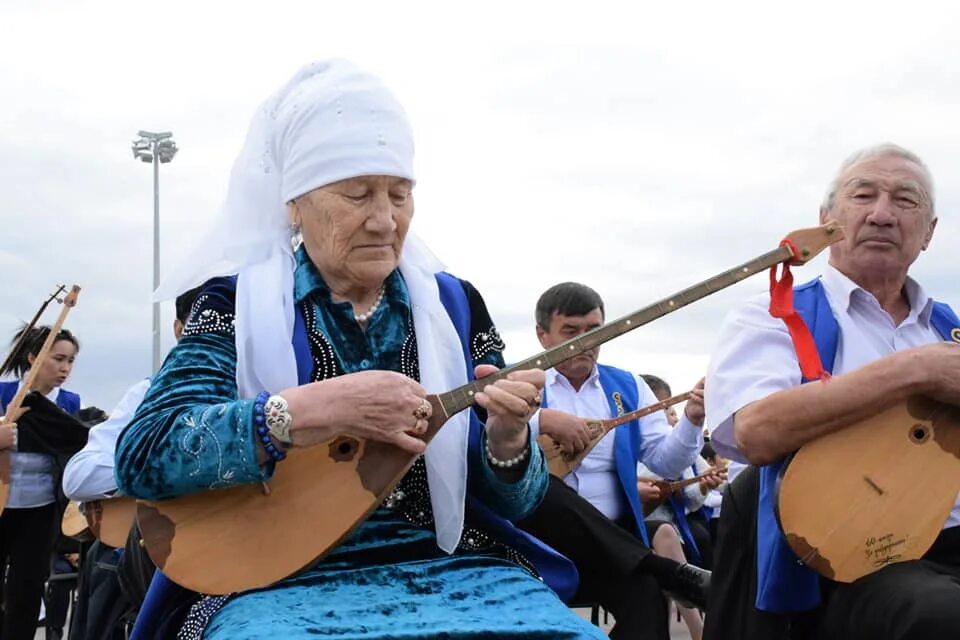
x=874, y=493
x=561, y=463
x=670, y=487
x=239, y=538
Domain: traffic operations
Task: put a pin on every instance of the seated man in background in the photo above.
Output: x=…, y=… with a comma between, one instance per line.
x=593, y=515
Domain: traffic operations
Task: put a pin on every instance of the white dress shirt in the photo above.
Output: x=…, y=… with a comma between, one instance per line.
x=664, y=450
x=714, y=499
x=89, y=474
x=755, y=356
x=693, y=497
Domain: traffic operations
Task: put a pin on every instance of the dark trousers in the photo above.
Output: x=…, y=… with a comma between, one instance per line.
x=907, y=601
x=135, y=569
x=701, y=536
x=712, y=525
x=60, y=590
x=57, y=596
x=733, y=587
x=26, y=544
x=606, y=555
x=101, y=611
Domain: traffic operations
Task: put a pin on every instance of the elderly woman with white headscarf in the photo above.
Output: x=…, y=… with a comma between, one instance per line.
x=328, y=160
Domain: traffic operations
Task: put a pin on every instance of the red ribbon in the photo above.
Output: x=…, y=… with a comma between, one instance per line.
x=781, y=306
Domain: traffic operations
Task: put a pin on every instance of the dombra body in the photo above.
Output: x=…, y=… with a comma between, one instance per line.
x=874, y=493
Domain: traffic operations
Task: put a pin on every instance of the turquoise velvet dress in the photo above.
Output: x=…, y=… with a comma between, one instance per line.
x=388, y=579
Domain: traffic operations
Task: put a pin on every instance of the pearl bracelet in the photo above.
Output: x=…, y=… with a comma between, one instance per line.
x=512, y=462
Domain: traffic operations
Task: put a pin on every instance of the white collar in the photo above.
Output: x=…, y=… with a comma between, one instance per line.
x=554, y=377
x=52, y=396
x=841, y=291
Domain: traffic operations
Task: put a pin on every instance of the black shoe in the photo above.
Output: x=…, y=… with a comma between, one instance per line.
x=691, y=587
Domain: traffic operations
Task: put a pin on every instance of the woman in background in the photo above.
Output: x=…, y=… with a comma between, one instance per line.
x=28, y=525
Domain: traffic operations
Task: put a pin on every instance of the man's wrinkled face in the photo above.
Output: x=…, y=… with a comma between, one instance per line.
x=884, y=205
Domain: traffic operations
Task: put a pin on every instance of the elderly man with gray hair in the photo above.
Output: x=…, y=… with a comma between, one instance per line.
x=884, y=340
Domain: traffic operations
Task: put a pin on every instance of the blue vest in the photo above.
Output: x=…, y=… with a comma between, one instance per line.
x=557, y=571
x=784, y=584
x=66, y=400
x=623, y=396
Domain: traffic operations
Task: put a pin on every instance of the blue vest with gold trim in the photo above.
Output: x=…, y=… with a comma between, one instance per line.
x=620, y=390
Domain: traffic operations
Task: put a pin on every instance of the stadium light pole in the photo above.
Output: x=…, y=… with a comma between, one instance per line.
x=157, y=148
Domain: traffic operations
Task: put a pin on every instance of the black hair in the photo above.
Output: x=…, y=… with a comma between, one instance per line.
x=657, y=384
x=19, y=363
x=568, y=299
x=91, y=416
x=707, y=452
x=185, y=303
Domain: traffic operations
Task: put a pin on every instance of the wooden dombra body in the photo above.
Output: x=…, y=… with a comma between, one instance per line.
x=874, y=493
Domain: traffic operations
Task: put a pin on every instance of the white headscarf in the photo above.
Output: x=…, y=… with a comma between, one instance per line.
x=330, y=122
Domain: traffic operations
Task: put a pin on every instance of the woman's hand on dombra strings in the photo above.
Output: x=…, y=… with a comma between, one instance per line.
x=374, y=405
x=510, y=402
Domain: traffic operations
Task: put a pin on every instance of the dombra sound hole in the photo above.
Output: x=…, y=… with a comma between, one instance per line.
x=343, y=449
x=919, y=433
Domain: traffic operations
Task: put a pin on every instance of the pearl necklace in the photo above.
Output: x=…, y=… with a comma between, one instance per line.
x=366, y=315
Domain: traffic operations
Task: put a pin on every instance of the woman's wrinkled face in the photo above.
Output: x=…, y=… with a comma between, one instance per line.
x=58, y=365
x=353, y=230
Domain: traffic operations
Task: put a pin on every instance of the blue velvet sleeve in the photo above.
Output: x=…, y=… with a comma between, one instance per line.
x=192, y=432
x=510, y=500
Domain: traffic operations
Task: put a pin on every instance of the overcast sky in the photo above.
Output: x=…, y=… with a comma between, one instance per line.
x=635, y=147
